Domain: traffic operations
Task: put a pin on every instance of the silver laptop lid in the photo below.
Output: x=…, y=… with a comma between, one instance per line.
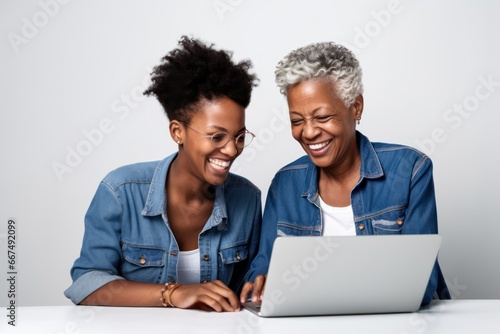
x=348, y=275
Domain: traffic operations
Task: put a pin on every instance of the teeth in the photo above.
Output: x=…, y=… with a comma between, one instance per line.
x=318, y=146
x=219, y=164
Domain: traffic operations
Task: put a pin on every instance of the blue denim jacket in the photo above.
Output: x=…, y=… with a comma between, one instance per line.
x=127, y=235
x=394, y=195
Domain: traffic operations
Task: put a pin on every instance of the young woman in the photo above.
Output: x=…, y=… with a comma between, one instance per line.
x=182, y=231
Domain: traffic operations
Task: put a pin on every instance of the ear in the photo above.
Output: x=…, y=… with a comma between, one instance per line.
x=357, y=107
x=176, y=131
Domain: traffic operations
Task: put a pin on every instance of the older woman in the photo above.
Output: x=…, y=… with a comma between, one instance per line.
x=345, y=185
x=181, y=231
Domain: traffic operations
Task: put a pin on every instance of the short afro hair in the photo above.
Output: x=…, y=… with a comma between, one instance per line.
x=194, y=72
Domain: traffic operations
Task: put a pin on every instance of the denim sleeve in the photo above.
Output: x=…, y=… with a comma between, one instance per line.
x=100, y=255
x=421, y=213
x=254, y=241
x=268, y=234
x=421, y=218
x=86, y=284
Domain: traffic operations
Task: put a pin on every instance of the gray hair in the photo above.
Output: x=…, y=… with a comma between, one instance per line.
x=322, y=60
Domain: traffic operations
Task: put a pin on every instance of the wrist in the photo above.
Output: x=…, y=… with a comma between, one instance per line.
x=166, y=293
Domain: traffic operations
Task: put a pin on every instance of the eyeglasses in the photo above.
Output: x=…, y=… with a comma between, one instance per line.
x=220, y=139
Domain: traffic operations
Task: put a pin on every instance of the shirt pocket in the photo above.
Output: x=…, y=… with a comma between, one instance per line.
x=291, y=229
x=229, y=257
x=391, y=222
x=142, y=263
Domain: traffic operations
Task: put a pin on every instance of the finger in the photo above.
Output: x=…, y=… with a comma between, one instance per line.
x=258, y=288
x=218, y=302
x=234, y=301
x=222, y=289
x=218, y=287
x=191, y=297
x=212, y=295
x=245, y=291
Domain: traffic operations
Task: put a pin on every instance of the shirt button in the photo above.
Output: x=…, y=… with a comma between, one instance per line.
x=206, y=257
x=399, y=222
x=142, y=260
x=238, y=257
x=361, y=227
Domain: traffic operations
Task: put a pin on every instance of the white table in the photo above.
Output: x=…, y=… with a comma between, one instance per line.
x=456, y=316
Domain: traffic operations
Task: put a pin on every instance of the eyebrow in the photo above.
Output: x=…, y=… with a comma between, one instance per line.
x=222, y=129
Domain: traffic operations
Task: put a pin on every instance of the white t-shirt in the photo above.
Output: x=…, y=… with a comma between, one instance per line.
x=188, y=267
x=337, y=221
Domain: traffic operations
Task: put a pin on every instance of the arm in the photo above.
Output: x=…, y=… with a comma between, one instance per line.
x=210, y=296
x=240, y=271
x=126, y=293
x=255, y=278
x=255, y=238
x=421, y=212
x=96, y=273
x=100, y=255
x=421, y=218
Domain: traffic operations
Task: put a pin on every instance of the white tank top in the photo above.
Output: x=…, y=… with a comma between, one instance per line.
x=188, y=267
x=337, y=221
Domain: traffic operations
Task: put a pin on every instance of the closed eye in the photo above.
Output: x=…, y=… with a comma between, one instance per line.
x=297, y=122
x=323, y=119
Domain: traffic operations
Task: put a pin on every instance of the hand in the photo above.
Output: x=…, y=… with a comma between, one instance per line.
x=258, y=289
x=209, y=296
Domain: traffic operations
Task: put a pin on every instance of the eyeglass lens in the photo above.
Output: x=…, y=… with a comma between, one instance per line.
x=221, y=138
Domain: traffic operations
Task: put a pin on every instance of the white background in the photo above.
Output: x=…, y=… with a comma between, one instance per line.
x=74, y=70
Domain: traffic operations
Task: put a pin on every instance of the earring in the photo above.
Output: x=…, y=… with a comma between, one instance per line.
x=359, y=119
x=179, y=142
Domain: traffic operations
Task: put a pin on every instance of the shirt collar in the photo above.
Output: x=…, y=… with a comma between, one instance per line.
x=155, y=202
x=371, y=168
x=156, y=199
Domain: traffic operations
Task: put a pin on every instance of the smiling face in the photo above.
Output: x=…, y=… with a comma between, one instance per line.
x=197, y=156
x=322, y=124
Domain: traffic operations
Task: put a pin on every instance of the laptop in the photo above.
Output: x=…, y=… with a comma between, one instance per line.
x=371, y=274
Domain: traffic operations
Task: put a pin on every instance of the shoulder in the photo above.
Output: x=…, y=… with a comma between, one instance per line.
x=297, y=174
x=403, y=156
x=301, y=165
x=398, y=150
x=298, y=170
x=141, y=172
x=238, y=182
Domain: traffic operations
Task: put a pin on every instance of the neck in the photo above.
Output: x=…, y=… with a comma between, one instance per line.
x=336, y=183
x=183, y=185
x=349, y=165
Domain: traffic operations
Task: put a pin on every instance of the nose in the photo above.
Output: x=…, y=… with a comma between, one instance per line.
x=309, y=129
x=230, y=149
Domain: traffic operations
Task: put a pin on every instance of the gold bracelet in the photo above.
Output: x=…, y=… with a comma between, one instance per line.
x=170, y=291
x=169, y=288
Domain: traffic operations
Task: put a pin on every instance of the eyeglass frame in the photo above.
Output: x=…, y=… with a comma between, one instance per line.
x=211, y=137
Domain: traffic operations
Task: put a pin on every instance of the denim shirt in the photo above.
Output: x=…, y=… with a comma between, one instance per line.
x=127, y=235
x=394, y=195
